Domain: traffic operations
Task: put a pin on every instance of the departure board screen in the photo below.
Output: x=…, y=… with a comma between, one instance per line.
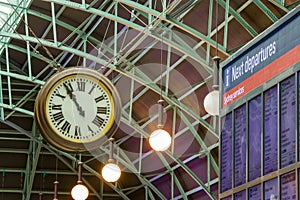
x=299, y=115
x=226, y=153
x=240, y=146
x=240, y=195
x=288, y=186
x=254, y=138
x=259, y=118
x=287, y=122
x=270, y=130
x=254, y=193
x=271, y=189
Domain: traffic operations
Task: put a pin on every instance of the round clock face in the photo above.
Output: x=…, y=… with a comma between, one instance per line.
x=77, y=109
x=80, y=108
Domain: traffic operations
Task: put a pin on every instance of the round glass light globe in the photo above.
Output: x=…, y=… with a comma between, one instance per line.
x=211, y=103
x=111, y=172
x=79, y=192
x=160, y=140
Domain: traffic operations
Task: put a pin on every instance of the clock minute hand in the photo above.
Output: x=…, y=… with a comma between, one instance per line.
x=79, y=108
x=73, y=97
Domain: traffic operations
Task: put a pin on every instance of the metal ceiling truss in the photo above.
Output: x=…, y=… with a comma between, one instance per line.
x=157, y=23
x=11, y=22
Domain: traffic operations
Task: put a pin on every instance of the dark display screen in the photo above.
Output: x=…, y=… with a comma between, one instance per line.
x=254, y=193
x=287, y=122
x=255, y=118
x=271, y=189
x=240, y=195
x=288, y=186
x=298, y=114
x=260, y=117
x=226, y=153
x=270, y=130
x=240, y=146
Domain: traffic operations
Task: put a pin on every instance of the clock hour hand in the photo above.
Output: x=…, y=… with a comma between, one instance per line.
x=79, y=108
x=74, y=99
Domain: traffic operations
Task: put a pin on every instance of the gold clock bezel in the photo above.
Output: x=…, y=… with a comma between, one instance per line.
x=52, y=136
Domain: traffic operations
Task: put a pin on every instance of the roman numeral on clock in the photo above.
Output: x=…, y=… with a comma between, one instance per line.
x=77, y=131
x=61, y=96
x=91, y=130
x=81, y=86
x=58, y=117
x=66, y=127
x=98, y=121
x=56, y=107
x=100, y=98
x=69, y=87
x=101, y=110
x=91, y=90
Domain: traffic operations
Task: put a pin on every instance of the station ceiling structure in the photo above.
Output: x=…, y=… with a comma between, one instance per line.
x=147, y=49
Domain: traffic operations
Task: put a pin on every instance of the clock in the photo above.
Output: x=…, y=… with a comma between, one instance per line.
x=77, y=110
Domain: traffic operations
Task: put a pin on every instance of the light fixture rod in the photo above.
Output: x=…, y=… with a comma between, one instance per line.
x=111, y=147
x=216, y=72
x=55, y=190
x=160, y=113
x=216, y=59
x=79, y=172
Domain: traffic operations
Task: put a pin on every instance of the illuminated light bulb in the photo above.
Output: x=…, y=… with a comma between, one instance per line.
x=111, y=172
x=79, y=192
x=211, y=103
x=160, y=140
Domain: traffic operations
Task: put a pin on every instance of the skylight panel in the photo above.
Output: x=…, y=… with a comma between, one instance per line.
x=5, y=10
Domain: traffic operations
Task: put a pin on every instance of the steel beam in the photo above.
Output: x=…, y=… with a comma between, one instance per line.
x=62, y=157
x=266, y=10
x=181, y=163
x=31, y=170
x=172, y=21
x=240, y=19
x=144, y=80
x=144, y=30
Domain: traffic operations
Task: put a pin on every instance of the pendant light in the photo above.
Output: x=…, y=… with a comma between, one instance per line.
x=79, y=191
x=111, y=172
x=212, y=99
x=160, y=139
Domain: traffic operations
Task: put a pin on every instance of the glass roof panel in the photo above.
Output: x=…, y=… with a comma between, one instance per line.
x=5, y=10
x=11, y=12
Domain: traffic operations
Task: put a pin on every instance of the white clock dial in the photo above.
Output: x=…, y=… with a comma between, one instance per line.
x=77, y=109
x=80, y=108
